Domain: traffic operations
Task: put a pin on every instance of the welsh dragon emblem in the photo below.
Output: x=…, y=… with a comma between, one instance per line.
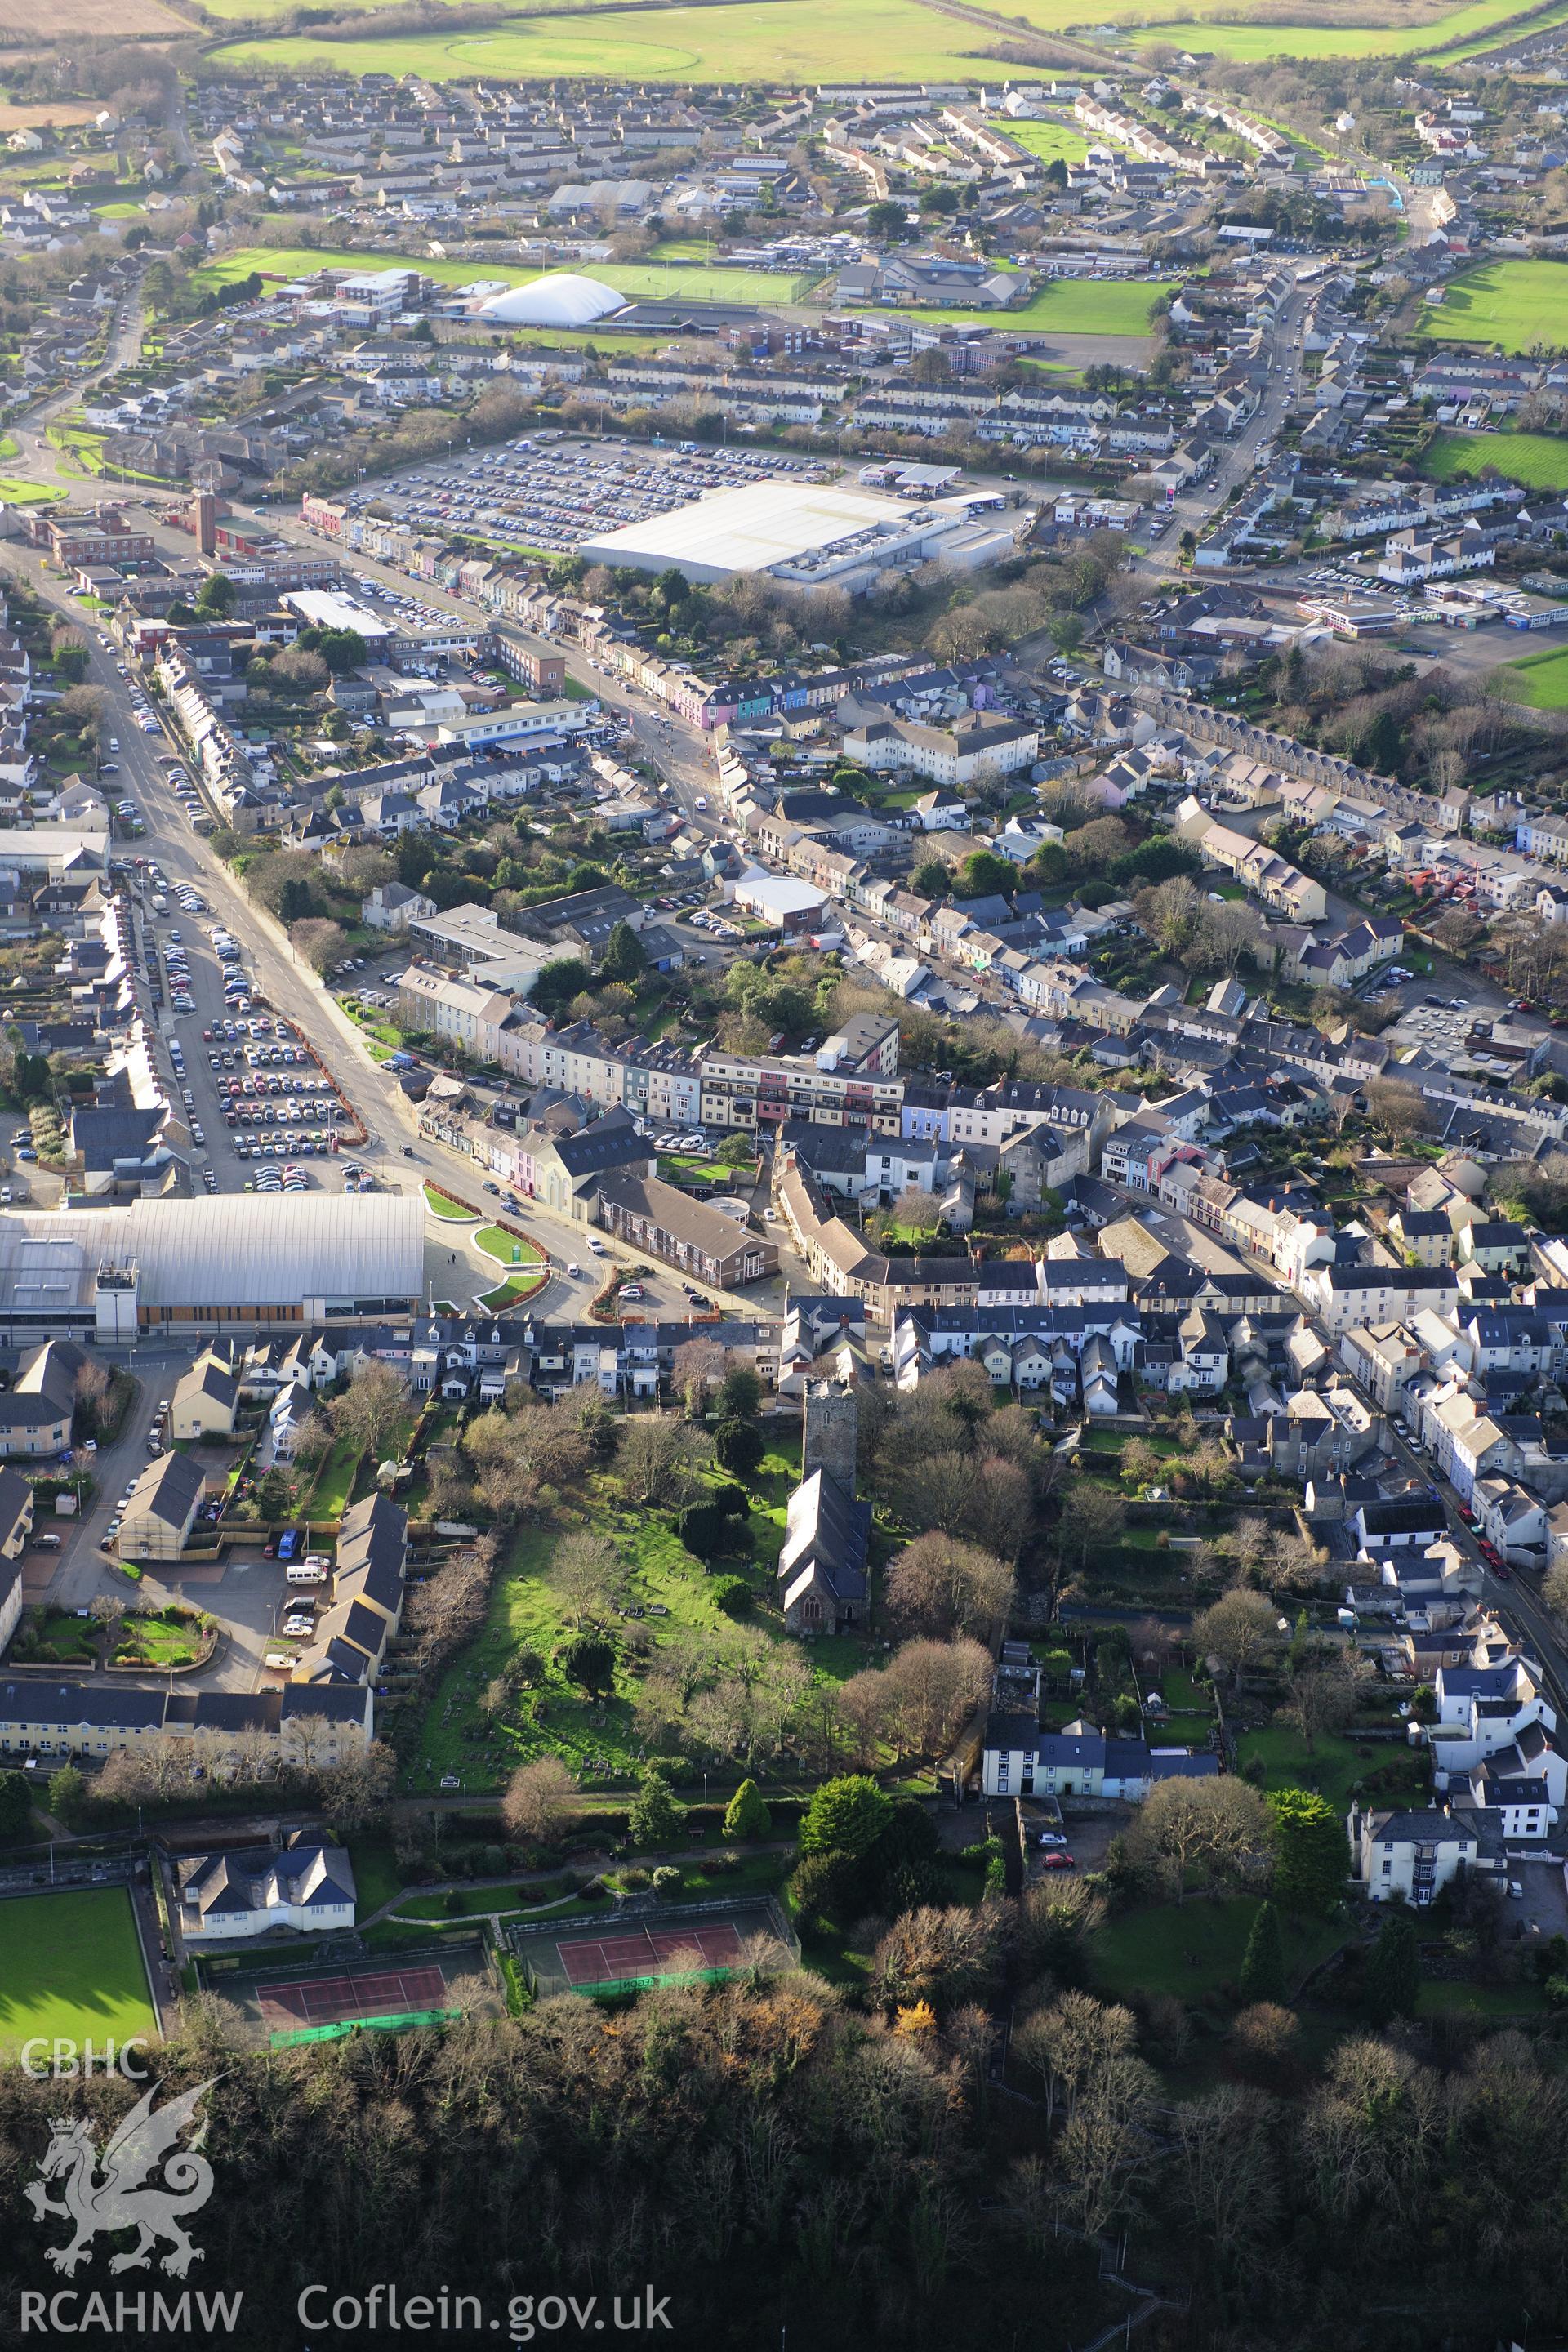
x=124, y=2198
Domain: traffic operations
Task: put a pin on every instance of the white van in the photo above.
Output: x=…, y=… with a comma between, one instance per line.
x=306, y=1571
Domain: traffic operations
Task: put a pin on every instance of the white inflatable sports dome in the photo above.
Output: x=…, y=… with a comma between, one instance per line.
x=559, y=300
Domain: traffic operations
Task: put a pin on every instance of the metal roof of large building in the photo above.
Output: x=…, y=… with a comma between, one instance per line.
x=247, y=1249
x=749, y=529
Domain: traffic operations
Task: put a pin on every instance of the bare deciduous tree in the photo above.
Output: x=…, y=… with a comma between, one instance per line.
x=584, y=1573
x=698, y=1366
x=537, y=1801
x=1238, y=1631
x=941, y=1585
x=650, y=1458
x=371, y=1408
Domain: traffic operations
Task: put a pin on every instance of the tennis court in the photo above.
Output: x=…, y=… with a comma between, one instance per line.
x=607, y=1960
x=378, y=1992
x=352, y=1988
x=667, y=1944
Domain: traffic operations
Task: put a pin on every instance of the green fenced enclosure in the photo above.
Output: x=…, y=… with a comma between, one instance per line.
x=634, y=1950
x=342, y=2026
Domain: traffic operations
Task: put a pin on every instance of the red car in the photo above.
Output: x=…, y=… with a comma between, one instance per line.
x=1057, y=1860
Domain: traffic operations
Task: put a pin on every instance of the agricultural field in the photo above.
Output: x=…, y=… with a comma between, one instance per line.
x=1515, y=303
x=70, y=1964
x=1499, y=39
x=56, y=113
x=1355, y=33
x=1541, y=681
x=1539, y=460
x=22, y=25
x=788, y=41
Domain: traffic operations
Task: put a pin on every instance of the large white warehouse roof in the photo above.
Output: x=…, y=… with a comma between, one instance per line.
x=562, y=299
x=250, y=1250
x=757, y=528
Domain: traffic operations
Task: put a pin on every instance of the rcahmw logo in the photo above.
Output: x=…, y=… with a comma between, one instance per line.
x=124, y=2190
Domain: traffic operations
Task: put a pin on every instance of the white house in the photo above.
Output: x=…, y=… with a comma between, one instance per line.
x=1481, y=1712
x=225, y=1896
x=1079, y=1761
x=392, y=905
x=1410, y=1855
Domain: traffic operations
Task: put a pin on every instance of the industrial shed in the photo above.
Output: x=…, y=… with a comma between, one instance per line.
x=244, y=1259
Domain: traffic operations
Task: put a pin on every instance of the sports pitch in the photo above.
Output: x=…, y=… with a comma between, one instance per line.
x=1541, y=680
x=1515, y=303
x=639, y=282
x=72, y=1965
x=1073, y=305
x=1538, y=460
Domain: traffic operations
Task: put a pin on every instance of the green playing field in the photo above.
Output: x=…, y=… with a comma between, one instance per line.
x=72, y=1967
x=1515, y=303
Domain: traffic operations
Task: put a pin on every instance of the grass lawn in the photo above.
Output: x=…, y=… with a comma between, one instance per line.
x=1193, y=1948
x=1539, y=460
x=790, y=41
x=376, y=1875
x=15, y=492
x=1048, y=140
x=1541, y=680
x=1182, y=1695
x=597, y=1738
x=64, y=1634
x=1514, y=303
x=1332, y=1768
x=470, y=1903
x=506, y=1248
x=441, y=1204
x=150, y=1640
x=334, y=1482
x=70, y=1964
x=690, y=1168
x=1481, y=2001
x=508, y=1292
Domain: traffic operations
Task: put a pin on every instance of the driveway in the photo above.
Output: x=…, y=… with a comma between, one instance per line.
x=1542, y=1912
x=83, y=1569
x=247, y=1594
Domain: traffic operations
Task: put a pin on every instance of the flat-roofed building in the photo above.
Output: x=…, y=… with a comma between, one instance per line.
x=234, y=1261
